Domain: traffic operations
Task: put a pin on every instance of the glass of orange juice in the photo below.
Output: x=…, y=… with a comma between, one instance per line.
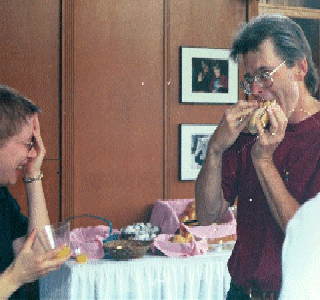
x=81, y=256
x=54, y=235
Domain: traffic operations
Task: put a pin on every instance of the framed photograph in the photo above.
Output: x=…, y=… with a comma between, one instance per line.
x=194, y=140
x=207, y=76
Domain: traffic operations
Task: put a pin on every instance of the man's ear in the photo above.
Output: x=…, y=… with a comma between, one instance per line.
x=301, y=69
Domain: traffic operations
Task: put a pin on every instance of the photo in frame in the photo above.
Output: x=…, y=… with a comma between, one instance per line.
x=194, y=140
x=208, y=76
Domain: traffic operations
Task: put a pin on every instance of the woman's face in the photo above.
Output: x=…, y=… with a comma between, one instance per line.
x=14, y=154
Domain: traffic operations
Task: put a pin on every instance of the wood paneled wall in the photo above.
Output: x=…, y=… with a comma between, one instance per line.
x=119, y=112
x=118, y=108
x=125, y=110
x=204, y=24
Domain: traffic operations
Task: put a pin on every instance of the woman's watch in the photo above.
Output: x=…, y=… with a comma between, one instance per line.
x=32, y=179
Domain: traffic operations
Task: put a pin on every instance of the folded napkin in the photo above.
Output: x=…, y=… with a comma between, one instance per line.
x=165, y=214
x=162, y=242
x=90, y=240
x=215, y=231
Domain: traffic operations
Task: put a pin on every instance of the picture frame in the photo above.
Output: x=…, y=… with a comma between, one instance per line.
x=194, y=140
x=208, y=76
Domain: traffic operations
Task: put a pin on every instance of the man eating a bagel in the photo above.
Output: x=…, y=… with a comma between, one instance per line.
x=265, y=153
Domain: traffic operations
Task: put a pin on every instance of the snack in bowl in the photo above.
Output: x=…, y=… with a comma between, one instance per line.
x=182, y=237
x=259, y=115
x=182, y=244
x=189, y=214
x=140, y=232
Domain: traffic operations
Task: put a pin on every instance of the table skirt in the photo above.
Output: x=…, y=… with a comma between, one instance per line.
x=152, y=277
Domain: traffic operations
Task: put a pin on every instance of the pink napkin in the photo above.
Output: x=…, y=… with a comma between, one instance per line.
x=90, y=240
x=165, y=214
x=162, y=242
x=215, y=231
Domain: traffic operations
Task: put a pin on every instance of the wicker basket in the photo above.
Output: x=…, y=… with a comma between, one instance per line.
x=126, y=249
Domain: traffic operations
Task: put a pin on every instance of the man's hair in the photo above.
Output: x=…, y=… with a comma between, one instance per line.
x=15, y=110
x=289, y=42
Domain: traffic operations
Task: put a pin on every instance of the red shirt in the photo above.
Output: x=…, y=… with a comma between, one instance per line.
x=256, y=258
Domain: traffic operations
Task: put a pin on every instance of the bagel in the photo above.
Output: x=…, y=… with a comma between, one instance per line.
x=259, y=115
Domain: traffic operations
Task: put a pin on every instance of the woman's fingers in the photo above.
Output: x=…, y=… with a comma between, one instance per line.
x=28, y=267
x=36, y=123
x=35, y=160
x=27, y=246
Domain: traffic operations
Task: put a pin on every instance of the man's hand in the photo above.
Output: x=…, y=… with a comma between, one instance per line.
x=28, y=266
x=232, y=123
x=268, y=140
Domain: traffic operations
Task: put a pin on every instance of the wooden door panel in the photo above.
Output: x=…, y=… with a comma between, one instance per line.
x=30, y=59
x=116, y=142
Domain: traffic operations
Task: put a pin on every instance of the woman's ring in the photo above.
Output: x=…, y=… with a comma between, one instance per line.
x=273, y=133
x=240, y=120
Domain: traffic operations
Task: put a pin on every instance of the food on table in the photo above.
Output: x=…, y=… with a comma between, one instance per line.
x=63, y=253
x=140, y=231
x=182, y=237
x=226, y=242
x=259, y=115
x=178, y=238
x=224, y=239
x=190, y=213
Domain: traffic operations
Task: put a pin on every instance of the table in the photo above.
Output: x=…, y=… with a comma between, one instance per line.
x=151, y=277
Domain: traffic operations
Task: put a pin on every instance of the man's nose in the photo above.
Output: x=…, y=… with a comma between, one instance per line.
x=256, y=90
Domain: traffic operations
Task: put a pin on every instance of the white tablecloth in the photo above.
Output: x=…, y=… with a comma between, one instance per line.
x=151, y=277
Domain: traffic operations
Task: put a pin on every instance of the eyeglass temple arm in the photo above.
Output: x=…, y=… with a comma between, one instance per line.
x=277, y=68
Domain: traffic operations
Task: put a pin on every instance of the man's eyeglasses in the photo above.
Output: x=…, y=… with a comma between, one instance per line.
x=264, y=79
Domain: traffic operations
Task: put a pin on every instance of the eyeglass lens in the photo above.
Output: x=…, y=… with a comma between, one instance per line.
x=264, y=79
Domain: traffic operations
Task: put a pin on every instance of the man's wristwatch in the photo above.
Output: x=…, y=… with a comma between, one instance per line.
x=32, y=179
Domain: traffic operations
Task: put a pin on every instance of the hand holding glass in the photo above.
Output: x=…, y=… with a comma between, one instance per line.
x=54, y=235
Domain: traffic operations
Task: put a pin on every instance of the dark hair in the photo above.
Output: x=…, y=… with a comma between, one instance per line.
x=289, y=42
x=14, y=112
x=216, y=65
